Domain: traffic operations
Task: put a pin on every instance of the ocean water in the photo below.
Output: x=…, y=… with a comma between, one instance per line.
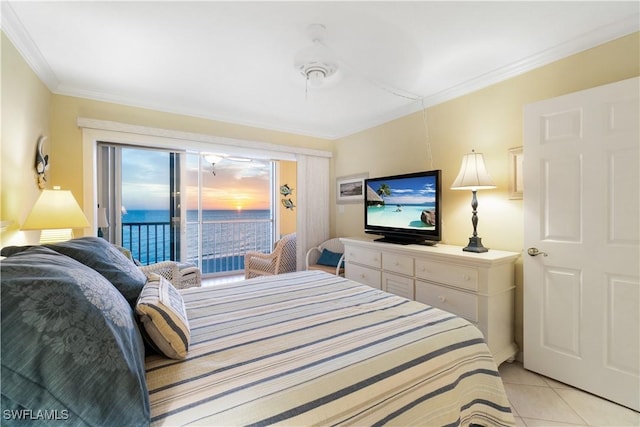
x=398, y=216
x=226, y=236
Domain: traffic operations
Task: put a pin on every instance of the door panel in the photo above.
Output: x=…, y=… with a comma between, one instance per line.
x=623, y=300
x=562, y=195
x=623, y=177
x=581, y=212
x=562, y=307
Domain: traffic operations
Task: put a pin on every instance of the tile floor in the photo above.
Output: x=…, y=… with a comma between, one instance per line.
x=540, y=401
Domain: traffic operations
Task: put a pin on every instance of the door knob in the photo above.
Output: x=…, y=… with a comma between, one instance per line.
x=535, y=252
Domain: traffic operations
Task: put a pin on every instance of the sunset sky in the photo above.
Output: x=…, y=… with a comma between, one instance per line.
x=236, y=185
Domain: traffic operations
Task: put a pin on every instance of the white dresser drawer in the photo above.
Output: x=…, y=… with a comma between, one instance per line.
x=363, y=256
x=364, y=275
x=398, y=285
x=401, y=264
x=456, y=302
x=449, y=274
x=477, y=287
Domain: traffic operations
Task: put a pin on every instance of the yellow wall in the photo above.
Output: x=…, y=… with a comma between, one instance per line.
x=29, y=110
x=25, y=117
x=489, y=121
x=287, y=216
x=67, y=136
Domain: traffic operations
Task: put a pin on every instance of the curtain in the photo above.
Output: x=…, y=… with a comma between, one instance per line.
x=313, y=204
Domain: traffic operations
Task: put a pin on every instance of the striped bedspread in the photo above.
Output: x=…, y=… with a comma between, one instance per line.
x=309, y=348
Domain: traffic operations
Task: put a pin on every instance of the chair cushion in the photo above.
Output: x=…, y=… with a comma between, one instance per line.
x=327, y=268
x=164, y=317
x=329, y=258
x=68, y=337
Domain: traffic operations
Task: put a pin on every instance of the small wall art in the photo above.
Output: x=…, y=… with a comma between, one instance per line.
x=287, y=191
x=350, y=189
x=516, y=179
x=42, y=162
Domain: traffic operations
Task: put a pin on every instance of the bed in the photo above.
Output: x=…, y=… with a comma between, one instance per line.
x=303, y=348
x=310, y=348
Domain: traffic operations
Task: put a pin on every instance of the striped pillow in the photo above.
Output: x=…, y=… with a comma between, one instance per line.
x=161, y=310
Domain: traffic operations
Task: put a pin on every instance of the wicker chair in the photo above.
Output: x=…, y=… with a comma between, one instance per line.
x=181, y=275
x=281, y=260
x=313, y=255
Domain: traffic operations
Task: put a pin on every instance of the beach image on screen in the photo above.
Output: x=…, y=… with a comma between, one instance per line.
x=402, y=203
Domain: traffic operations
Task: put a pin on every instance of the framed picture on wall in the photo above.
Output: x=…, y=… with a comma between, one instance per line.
x=516, y=180
x=350, y=189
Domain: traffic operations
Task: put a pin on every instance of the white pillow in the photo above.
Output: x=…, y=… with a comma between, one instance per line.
x=161, y=310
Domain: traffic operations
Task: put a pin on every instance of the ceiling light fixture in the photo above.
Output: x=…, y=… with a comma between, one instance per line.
x=316, y=62
x=213, y=159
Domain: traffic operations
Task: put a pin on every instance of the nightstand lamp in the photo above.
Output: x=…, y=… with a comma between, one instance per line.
x=473, y=176
x=103, y=222
x=56, y=213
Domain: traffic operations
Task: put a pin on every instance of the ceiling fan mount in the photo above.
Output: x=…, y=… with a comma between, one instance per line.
x=316, y=62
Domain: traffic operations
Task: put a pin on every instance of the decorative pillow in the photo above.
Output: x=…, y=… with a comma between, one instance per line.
x=70, y=344
x=164, y=317
x=329, y=258
x=107, y=260
x=12, y=250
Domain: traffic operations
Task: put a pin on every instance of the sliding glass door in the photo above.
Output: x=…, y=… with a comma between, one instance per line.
x=229, y=210
x=169, y=205
x=139, y=191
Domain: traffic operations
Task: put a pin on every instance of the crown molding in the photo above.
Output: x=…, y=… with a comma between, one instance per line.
x=579, y=44
x=13, y=28
x=16, y=32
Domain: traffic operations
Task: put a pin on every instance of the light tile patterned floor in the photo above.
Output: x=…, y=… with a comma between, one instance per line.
x=540, y=401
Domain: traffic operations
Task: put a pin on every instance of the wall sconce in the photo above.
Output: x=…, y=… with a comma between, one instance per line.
x=473, y=176
x=56, y=213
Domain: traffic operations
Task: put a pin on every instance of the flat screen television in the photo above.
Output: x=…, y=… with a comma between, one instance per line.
x=404, y=209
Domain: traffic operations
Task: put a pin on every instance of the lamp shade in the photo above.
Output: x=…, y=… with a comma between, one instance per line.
x=473, y=174
x=55, y=209
x=103, y=222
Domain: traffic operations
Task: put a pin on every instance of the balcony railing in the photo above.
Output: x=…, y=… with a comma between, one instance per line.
x=224, y=243
x=149, y=242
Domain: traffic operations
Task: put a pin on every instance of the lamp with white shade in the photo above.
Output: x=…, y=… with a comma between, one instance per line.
x=103, y=222
x=473, y=176
x=56, y=213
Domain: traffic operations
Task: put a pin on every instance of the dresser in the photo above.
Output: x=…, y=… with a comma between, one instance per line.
x=477, y=287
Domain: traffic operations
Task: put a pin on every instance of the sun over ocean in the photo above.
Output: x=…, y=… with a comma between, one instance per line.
x=226, y=236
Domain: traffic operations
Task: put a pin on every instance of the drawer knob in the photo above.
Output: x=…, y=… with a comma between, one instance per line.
x=442, y=298
x=466, y=278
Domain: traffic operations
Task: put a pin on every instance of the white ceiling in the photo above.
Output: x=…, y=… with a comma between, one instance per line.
x=233, y=61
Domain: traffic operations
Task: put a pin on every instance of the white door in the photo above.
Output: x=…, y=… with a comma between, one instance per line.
x=582, y=215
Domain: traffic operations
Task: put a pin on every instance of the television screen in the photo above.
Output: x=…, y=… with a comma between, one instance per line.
x=404, y=208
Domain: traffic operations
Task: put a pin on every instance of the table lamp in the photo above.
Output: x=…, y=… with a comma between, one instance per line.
x=473, y=176
x=56, y=213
